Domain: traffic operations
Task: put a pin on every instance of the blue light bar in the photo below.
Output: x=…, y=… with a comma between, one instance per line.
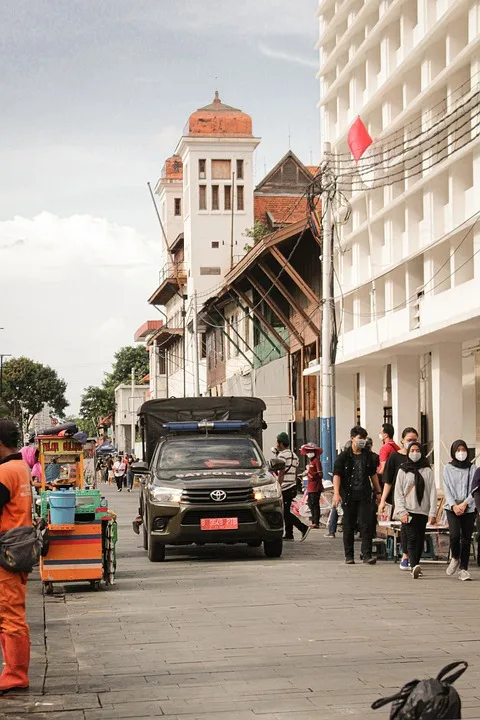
x=206, y=426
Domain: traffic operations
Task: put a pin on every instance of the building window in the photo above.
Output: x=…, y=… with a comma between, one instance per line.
x=203, y=346
x=202, y=169
x=202, y=197
x=178, y=206
x=215, y=244
x=240, y=169
x=221, y=169
x=228, y=197
x=240, y=198
x=215, y=198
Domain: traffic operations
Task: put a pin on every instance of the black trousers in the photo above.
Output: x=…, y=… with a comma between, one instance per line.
x=357, y=513
x=461, y=529
x=415, y=533
x=119, y=481
x=314, y=505
x=289, y=518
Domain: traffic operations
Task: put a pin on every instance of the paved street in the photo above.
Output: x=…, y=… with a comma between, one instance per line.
x=226, y=633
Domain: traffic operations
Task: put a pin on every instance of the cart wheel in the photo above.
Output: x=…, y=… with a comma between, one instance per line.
x=95, y=585
x=48, y=586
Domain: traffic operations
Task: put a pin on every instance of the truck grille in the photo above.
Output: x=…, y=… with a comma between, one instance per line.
x=201, y=496
x=193, y=517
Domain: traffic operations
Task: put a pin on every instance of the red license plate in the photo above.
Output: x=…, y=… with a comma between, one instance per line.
x=219, y=524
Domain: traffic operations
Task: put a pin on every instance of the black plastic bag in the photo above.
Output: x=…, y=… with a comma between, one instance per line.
x=432, y=699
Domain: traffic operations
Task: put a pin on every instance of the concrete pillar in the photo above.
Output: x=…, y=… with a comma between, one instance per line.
x=405, y=393
x=371, y=399
x=345, y=410
x=447, y=402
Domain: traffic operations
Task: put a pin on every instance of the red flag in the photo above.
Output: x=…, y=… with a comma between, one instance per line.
x=358, y=139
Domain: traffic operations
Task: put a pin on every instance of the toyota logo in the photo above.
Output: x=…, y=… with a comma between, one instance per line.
x=218, y=495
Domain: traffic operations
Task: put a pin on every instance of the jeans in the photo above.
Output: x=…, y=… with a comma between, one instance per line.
x=333, y=521
x=357, y=512
x=314, y=505
x=415, y=532
x=129, y=479
x=461, y=529
x=290, y=519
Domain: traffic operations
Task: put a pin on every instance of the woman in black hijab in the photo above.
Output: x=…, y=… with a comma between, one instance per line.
x=458, y=484
x=415, y=501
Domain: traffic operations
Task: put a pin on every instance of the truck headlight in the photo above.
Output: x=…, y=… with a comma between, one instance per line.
x=166, y=495
x=272, y=491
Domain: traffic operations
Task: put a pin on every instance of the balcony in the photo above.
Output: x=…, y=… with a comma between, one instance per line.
x=170, y=280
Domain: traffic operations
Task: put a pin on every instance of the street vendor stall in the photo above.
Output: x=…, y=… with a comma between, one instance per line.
x=82, y=532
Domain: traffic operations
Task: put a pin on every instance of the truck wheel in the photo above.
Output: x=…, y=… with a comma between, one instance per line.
x=156, y=551
x=145, y=534
x=273, y=548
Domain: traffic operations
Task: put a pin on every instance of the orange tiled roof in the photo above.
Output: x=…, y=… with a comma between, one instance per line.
x=312, y=169
x=173, y=168
x=285, y=210
x=218, y=119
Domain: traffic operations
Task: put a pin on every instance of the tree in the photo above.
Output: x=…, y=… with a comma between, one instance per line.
x=28, y=386
x=256, y=233
x=125, y=359
x=96, y=403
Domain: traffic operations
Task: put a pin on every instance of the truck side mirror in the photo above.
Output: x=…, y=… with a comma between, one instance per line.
x=276, y=465
x=140, y=468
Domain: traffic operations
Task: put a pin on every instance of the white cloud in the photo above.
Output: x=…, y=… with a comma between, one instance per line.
x=73, y=291
x=287, y=57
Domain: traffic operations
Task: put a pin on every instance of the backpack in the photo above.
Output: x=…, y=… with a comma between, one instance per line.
x=432, y=699
x=20, y=548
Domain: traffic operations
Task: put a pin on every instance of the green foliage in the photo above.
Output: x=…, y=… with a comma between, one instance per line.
x=125, y=359
x=257, y=232
x=28, y=386
x=97, y=403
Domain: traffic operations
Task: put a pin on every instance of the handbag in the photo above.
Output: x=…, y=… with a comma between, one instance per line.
x=20, y=548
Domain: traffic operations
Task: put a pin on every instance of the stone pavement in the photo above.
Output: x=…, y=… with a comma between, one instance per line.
x=227, y=634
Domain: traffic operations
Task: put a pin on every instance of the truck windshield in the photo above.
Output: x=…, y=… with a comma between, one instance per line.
x=208, y=453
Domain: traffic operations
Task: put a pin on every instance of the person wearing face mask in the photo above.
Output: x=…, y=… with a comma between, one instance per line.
x=389, y=446
x=394, y=462
x=354, y=472
x=458, y=477
x=314, y=480
x=415, y=502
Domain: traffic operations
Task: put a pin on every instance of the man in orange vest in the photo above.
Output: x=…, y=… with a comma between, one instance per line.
x=15, y=512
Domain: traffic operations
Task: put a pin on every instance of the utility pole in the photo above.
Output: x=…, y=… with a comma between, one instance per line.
x=327, y=420
x=196, y=358
x=133, y=413
x=4, y=355
x=232, y=220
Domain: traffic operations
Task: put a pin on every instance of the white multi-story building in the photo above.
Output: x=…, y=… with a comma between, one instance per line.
x=407, y=260
x=205, y=196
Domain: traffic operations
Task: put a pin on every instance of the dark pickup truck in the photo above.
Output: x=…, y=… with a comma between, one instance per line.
x=204, y=477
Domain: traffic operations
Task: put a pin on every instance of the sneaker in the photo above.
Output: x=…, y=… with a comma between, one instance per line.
x=329, y=535
x=288, y=539
x=453, y=566
x=416, y=572
x=349, y=561
x=305, y=534
x=464, y=575
x=404, y=564
x=369, y=561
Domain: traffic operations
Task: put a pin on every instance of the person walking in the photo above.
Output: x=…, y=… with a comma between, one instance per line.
x=354, y=472
x=394, y=461
x=15, y=512
x=288, y=482
x=389, y=446
x=130, y=460
x=415, y=502
x=458, y=477
x=314, y=480
x=119, y=472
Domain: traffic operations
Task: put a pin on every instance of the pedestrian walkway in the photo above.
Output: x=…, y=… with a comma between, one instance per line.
x=225, y=634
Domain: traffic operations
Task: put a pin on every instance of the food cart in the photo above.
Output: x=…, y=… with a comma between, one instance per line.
x=82, y=536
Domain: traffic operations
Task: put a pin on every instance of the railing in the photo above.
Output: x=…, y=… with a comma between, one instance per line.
x=171, y=270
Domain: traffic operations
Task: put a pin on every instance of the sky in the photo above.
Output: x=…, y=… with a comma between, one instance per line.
x=94, y=97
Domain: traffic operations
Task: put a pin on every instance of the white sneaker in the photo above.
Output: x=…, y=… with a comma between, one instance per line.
x=453, y=566
x=416, y=572
x=464, y=575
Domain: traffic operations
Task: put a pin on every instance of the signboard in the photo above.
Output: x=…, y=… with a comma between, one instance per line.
x=60, y=446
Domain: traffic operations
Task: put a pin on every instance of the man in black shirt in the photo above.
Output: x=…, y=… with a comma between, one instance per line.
x=354, y=472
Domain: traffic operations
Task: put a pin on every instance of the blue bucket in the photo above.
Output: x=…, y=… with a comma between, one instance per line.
x=62, y=507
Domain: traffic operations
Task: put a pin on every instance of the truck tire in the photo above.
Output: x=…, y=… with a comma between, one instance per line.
x=145, y=534
x=273, y=548
x=156, y=551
